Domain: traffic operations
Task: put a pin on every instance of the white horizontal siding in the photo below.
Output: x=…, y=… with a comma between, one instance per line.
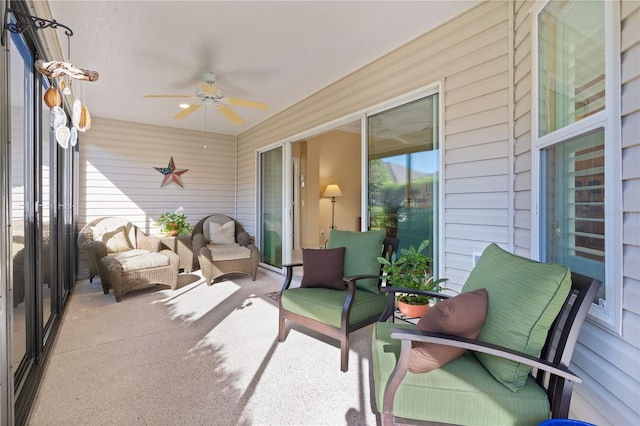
x=522, y=128
x=630, y=76
x=464, y=200
x=486, y=184
x=469, y=53
x=117, y=175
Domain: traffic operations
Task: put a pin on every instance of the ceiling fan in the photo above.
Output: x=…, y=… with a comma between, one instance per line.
x=208, y=93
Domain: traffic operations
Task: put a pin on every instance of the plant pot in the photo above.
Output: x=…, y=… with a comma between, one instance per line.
x=173, y=231
x=412, y=311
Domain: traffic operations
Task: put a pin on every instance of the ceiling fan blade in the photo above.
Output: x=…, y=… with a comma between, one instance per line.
x=247, y=103
x=166, y=96
x=209, y=89
x=186, y=111
x=230, y=114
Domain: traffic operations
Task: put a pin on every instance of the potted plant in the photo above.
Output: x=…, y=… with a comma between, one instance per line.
x=174, y=224
x=412, y=271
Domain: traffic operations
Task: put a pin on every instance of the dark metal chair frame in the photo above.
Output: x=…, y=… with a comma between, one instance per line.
x=551, y=368
x=390, y=246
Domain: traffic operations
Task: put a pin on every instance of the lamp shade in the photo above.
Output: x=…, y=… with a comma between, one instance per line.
x=332, y=190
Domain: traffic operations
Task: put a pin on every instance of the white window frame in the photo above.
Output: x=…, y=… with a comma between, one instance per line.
x=607, y=313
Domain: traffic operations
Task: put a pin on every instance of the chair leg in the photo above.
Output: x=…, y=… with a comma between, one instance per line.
x=344, y=352
x=282, y=335
x=387, y=419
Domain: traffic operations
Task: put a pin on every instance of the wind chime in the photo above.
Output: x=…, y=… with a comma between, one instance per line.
x=64, y=73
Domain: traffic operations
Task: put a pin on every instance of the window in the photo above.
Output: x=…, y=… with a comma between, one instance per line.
x=577, y=145
x=574, y=210
x=571, y=63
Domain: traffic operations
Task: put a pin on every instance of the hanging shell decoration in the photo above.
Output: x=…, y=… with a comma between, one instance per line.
x=76, y=110
x=52, y=97
x=80, y=117
x=85, y=119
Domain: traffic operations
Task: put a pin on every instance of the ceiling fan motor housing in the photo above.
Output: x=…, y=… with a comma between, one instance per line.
x=209, y=78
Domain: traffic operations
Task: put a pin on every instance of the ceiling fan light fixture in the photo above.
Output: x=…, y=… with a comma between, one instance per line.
x=208, y=94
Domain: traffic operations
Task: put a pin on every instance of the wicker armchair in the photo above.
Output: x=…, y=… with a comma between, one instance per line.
x=221, y=256
x=125, y=257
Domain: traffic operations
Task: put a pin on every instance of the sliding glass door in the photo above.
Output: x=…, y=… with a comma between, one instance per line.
x=42, y=251
x=404, y=172
x=270, y=206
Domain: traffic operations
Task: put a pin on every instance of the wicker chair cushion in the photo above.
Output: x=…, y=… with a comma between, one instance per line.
x=214, y=218
x=110, y=227
x=115, y=239
x=224, y=233
x=228, y=252
x=129, y=253
x=144, y=261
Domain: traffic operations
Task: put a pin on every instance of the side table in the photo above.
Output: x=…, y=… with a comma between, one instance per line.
x=182, y=247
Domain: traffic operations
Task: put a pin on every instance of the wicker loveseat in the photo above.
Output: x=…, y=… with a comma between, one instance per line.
x=223, y=247
x=125, y=257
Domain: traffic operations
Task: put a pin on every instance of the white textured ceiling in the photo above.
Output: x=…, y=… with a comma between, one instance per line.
x=278, y=52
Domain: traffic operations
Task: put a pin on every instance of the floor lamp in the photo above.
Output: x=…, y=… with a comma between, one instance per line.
x=332, y=191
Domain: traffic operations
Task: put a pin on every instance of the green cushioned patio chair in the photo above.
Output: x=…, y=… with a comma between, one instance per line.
x=535, y=312
x=336, y=313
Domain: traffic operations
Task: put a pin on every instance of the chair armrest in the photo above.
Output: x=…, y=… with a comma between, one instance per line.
x=173, y=257
x=244, y=239
x=289, y=275
x=155, y=244
x=415, y=335
x=148, y=242
x=98, y=249
x=198, y=243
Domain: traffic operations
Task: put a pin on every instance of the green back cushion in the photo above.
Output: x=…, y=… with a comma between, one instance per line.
x=524, y=298
x=360, y=258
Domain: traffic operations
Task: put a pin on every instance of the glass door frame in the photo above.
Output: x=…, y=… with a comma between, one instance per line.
x=19, y=379
x=287, y=181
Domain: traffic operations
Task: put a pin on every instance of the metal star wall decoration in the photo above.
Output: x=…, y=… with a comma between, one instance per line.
x=171, y=174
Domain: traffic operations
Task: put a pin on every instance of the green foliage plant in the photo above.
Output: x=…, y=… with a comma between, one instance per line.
x=412, y=271
x=174, y=224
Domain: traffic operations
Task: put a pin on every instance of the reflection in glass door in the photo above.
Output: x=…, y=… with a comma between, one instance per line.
x=404, y=171
x=270, y=206
x=45, y=204
x=22, y=250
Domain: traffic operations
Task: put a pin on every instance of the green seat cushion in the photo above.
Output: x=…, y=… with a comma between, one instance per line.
x=460, y=392
x=361, y=256
x=524, y=299
x=325, y=305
